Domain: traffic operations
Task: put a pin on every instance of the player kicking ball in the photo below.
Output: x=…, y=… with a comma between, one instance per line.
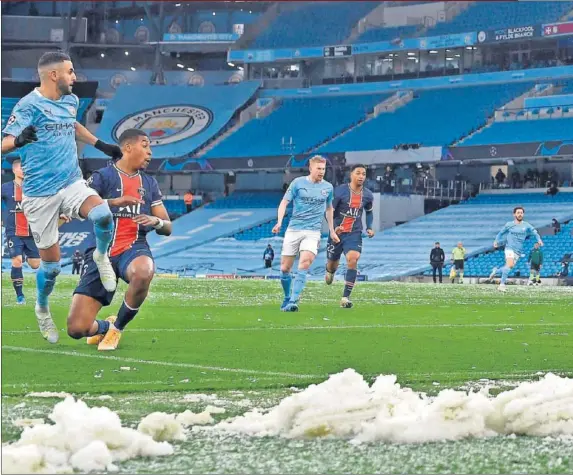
x=44, y=129
x=516, y=230
x=350, y=200
x=137, y=207
x=312, y=197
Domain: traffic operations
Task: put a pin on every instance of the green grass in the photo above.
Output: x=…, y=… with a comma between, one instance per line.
x=202, y=336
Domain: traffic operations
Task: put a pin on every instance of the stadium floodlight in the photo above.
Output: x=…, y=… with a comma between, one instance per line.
x=126, y=53
x=231, y=64
x=433, y=51
x=240, y=68
x=214, y=13
x=411, y=54
x=177, y=4
x=116, y=22
x=179, y=65
x=102, y=55
x=190, y=69
x=132, y=68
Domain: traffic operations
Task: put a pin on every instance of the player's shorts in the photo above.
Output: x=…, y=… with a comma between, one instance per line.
x=90, y=282
x=459, y=264
x=268, y=264
x=43, y=212
x=536, y=267
x=348, y=242
x=297, y=241
x=22, y=246
x=511, y=254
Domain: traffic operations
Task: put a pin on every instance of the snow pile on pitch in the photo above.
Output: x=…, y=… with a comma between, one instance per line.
x=346, y=406
x=164, y=427
x=82, y=439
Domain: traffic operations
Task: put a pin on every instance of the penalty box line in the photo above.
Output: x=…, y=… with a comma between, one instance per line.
x=164, y=363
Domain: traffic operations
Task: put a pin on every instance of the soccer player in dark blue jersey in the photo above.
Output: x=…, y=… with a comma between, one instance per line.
x=137, y=207
x=44, y=129
x=18, y=236
x=350, y=200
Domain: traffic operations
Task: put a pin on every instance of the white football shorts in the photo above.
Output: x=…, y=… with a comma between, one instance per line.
x=298, y=241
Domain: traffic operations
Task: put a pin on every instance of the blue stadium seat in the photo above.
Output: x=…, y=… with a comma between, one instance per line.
x=493, y=15
x=387, y=33
x=309, y=121
x=532, y=130
x=314, y=24
x=433, y=118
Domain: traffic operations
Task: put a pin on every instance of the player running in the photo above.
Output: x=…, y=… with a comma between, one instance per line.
x=516, y=230
x=349, y=201
x=312, y=197
x=18, y=236
x=137, y=207
x=43, y=126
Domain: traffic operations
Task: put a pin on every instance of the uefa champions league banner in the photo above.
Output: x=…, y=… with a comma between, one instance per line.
x=178, y=119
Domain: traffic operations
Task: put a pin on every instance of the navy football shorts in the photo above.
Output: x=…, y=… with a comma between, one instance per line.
x=348, y=242
x=22, y=246
x=90, y=283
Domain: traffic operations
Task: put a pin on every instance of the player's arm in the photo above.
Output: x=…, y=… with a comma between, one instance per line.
x=19, y=130
x=533, y=231
x=280, y=216
x=500, y=235
x=369, y=221
x=330, y=216
x=159, y=220
x=85, y=136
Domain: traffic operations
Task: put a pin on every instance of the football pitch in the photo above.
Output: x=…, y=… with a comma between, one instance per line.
x=228, y=342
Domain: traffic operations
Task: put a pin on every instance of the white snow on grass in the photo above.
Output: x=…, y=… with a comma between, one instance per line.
x=345, y=406
x=49, y=394
x=81, y=439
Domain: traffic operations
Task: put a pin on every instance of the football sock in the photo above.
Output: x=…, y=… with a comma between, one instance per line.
x=298, y=285
x=17, y=280
x=505, y=270
x=125, y=315
x=102, y=218
x=350, y=279
x=45, y=281
x=286, y=280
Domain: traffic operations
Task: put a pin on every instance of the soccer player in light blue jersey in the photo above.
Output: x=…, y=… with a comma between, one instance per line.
x=43, y=128
x=311, y=197
x=516, y=231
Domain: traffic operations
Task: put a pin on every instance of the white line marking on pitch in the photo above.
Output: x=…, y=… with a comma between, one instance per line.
x=163, y=363
x=334, y=327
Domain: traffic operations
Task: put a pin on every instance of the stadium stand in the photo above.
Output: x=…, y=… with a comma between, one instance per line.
x=309, y=121
x=434, y=117
x=247, y=200
x=314, y=24
x=479, y=16
x=530, y=130
x=388, y=33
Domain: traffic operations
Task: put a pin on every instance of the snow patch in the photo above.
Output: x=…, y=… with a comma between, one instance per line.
x=81, y=438
x=345, y=406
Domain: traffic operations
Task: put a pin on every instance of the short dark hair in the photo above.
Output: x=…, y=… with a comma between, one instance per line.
x=518, y=207
x=357, y=165
x=129, y=135
x=436, y=242
x=52, y=57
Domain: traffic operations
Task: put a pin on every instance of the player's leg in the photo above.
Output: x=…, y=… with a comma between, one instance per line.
x=531, y=280
x=461, y=270
x=89, y=297
x=352, y=258
x=308, y=251
x=16, y=249
x=291, y=244
x=138, y=271
x=434, y=271
x=42, y=214
x=81, y=201
x=506, y=269
x=333, y=253
x=440, y=268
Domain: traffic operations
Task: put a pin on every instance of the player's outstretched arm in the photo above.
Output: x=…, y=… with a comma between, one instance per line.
x=84, y=135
